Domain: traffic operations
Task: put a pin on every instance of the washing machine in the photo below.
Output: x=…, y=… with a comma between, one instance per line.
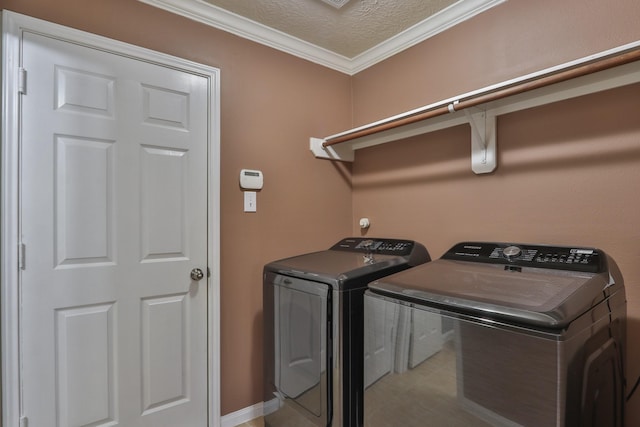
x=500, y=334
x=313, y=329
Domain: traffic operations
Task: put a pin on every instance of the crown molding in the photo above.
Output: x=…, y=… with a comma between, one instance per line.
x=437, y=23
x=206, y=13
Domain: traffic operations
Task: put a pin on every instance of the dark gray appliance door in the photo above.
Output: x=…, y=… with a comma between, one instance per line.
x=452, y=370
x=301, y=322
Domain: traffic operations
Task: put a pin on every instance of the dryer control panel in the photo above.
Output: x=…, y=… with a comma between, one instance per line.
x=572, y=258
x=373, y=245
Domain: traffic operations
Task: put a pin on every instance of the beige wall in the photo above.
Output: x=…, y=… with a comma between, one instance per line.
x=568, y=173
x=513, y=39
x=271, y=104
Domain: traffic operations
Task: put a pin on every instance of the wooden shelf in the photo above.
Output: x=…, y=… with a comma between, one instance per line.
x=479, y=109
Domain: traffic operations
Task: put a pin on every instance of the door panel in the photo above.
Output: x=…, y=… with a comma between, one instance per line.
x=381, y=325
x=85, y=365
x=164, y=351
x=114, y=217
x=301, y=322
x=165, y=180
x=426, y=336
x=302, y=318
x=83, y=200
x=84, y=92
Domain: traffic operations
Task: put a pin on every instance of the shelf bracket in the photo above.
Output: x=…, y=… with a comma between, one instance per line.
x=340, y=152
x=483, y=140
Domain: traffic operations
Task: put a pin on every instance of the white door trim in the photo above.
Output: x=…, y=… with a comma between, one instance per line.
x=13, y=25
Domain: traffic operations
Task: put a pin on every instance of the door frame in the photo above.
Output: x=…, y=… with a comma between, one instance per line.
x=13, y=26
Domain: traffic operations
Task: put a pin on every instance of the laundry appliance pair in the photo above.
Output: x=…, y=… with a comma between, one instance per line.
x=371, y=332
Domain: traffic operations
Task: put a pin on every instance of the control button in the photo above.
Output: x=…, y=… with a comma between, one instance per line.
x=511, y=252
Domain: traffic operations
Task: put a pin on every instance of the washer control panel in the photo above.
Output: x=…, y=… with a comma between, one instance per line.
x=529, y=255
x=377, y=246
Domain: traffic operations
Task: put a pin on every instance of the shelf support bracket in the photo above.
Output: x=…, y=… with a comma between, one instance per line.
x=340, y=152
x=483, y=140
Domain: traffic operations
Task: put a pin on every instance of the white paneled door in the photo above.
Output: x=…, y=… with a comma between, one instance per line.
x=381, y=327
x=113, y=205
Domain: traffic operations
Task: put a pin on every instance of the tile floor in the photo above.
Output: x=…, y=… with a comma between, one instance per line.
x=258, y=422
x=394, y=397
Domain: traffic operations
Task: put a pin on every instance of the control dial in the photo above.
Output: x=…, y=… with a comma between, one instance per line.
x=511, y=252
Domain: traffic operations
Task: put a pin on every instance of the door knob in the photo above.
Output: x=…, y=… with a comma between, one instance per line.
x=196, y=274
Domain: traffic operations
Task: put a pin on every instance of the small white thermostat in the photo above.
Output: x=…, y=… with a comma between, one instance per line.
x=250, y=179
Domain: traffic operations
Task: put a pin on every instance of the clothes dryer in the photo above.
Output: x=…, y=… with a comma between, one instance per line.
x=313, y=329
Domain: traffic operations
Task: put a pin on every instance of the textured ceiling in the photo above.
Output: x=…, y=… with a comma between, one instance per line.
x=349, y=31
x=348, y=39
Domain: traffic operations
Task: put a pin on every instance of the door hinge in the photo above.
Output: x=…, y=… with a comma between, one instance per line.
x=24, y=422
x=22, y=254
x=22, y=81
x=208, y=272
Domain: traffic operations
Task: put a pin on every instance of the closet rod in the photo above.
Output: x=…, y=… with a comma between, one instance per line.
x=494, y=95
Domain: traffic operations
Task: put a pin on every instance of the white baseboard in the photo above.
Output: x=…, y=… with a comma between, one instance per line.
x=242, y=416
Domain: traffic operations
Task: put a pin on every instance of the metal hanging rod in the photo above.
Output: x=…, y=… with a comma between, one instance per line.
x=599, y=62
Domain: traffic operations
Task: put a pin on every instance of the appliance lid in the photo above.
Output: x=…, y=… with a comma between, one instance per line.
x=353, y=261
x=484, y=281
x=336, y=267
